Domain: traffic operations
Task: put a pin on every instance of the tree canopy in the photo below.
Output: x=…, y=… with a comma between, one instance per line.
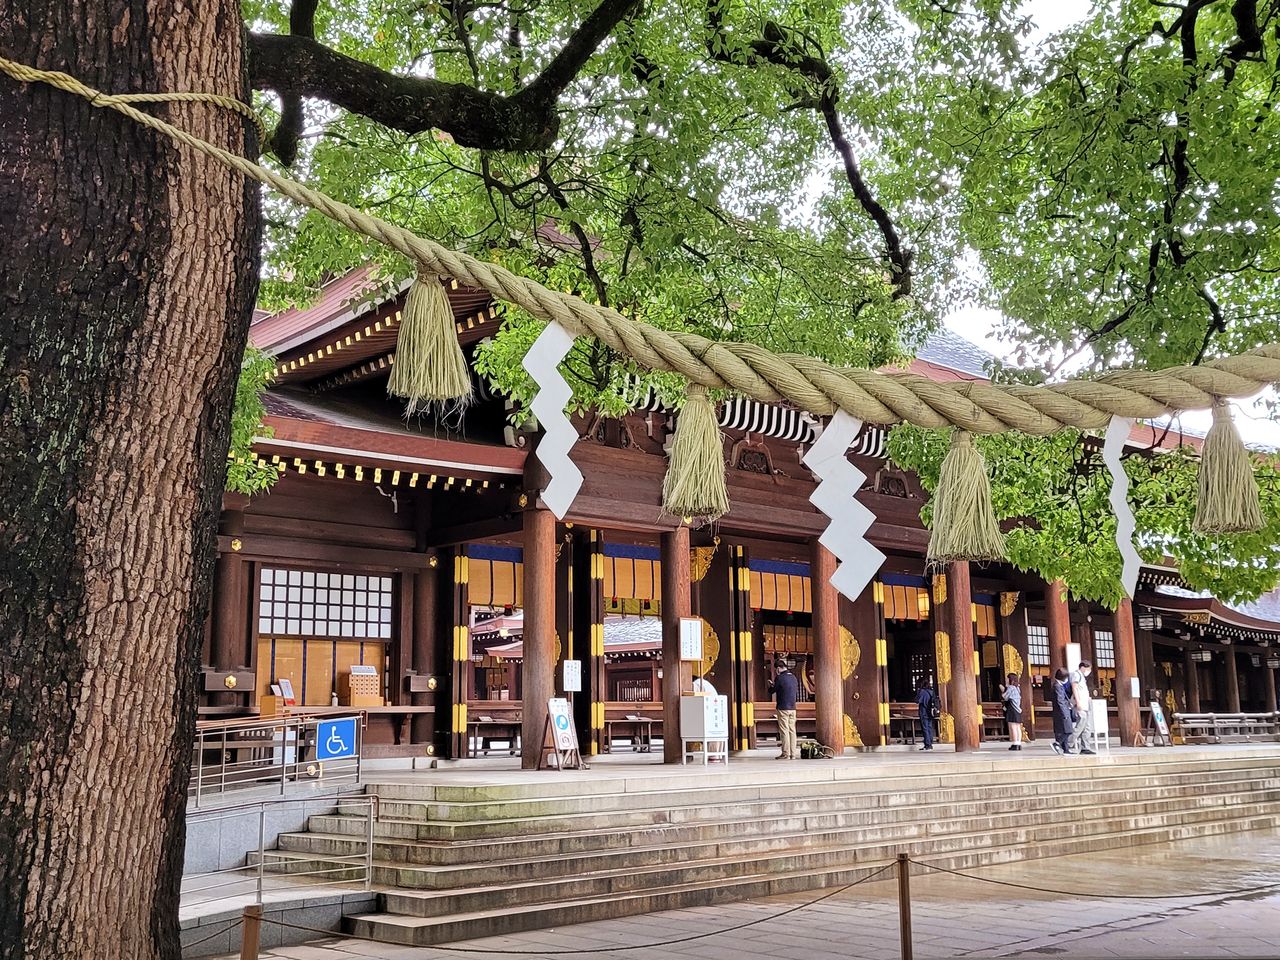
x=825, y=178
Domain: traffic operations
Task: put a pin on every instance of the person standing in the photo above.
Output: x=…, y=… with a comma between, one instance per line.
x=926, y=701
x=786, y=690
x=1011, y=697
x=1063, y=725
x=1078, y=681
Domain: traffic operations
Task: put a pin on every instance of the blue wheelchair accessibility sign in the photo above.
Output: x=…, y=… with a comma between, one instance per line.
x=336, y=739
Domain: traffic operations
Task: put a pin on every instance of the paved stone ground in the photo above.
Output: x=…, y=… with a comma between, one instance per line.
x=952, y=916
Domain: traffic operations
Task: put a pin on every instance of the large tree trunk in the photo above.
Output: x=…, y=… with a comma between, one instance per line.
x=126, y=283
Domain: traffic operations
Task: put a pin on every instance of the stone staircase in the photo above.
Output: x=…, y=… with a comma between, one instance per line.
x=469, y=861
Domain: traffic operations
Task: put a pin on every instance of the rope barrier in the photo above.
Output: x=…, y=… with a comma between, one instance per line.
x=217, y=933
x=602, y=949
x=806, y=382
x=1239, y=892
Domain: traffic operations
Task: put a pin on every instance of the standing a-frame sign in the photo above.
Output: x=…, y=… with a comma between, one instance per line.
x=560, y=738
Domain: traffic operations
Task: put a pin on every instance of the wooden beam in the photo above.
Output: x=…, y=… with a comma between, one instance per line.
x=829, y=693
x=963, y=695
x=537, y=678
x=1127, y=705
x=260, y=547
x=1058, y=622
x=676, y=604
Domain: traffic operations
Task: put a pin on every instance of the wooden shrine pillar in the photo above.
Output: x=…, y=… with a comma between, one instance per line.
x=587, y=592
x=1015, y=656
x=229, y=638
x=1269, y=681
x=939, y=620
x=422, y=649
x=537, y=678
x=453, y=646
x=864, y=668
x=1128, y=706
x=1191, y=670
x=828, y=685
x=675, y=604
x=963, y=692
x=1058, y=623
x=746, y=676
x=1233, y=680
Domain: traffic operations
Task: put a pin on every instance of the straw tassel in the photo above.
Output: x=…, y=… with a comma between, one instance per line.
x=429, y=366
x=1228, y=501
x=695, y=483
x=964, y=522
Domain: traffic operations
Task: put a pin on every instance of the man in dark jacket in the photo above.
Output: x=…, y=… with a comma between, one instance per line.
x=926, y=700
x=1063, y=713
x=786, y=690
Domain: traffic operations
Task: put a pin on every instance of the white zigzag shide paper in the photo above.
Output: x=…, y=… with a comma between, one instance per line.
x=1112, y=448
x=845, y=535
x=543, y=364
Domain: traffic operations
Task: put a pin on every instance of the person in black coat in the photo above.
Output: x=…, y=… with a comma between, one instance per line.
x=1063, y=711
x=926, y=700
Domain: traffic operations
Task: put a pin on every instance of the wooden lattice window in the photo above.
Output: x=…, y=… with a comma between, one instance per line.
x=313, y=603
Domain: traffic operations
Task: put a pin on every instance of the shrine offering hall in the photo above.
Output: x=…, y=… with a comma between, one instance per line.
x=407, y=568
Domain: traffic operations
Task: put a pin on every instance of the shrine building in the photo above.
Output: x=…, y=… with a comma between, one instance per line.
x=419, y=547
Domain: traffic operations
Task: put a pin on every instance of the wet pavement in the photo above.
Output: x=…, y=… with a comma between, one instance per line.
x=1139, y=908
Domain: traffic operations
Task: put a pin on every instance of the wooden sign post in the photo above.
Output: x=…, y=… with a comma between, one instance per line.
x=560, y=738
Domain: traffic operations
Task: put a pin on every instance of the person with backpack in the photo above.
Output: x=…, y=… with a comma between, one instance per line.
x=927, y=701
x=1011, y=696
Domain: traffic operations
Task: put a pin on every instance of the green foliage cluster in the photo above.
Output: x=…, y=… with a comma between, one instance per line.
x=243, y=473
x=690, y=185
x=1055, y=491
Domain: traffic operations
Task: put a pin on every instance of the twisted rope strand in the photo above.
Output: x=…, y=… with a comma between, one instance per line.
x=806, y=382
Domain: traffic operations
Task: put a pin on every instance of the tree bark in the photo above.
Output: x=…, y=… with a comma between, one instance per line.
x=126, y=286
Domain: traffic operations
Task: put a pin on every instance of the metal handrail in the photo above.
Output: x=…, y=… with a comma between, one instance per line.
x=261, y=808
x=284, y=738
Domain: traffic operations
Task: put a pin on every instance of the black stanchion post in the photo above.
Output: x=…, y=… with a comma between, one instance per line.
x=904, y=904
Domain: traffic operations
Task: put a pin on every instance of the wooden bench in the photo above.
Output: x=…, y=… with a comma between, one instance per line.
x=1226, y=727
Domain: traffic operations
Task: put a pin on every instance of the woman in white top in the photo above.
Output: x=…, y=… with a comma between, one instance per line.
x=1011, y=696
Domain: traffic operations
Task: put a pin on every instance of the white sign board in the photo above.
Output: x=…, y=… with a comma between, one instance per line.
x=690, y=638
x=573, y=676
x=704, y=718
x=561, y=723
x=1157, y=717
x=1073, y=657
x=1101, y=723
x=1135, y=689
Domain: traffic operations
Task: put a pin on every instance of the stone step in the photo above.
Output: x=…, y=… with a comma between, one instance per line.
x=415, y=800
x=416, y=930
x=665, y=781
x=346, y=835
x=587, y=874
x=397, y=814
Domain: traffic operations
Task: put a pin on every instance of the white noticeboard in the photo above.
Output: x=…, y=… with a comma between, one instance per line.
x=1135, y=689
x=1101, y=725
x=1073, y=657
x=690, y=638
x=704, y=722
x=573, y=676
x=561, y=724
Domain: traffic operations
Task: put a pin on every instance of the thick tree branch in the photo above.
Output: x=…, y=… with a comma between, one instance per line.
x=298, y=66
x=568, y=63
x=284, y=141
x=779, y=48
x=473, y=118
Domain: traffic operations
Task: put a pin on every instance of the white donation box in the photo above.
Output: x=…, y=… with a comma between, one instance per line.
x=704, y=720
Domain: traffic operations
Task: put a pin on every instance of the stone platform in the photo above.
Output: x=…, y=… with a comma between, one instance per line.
x=476, y=850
